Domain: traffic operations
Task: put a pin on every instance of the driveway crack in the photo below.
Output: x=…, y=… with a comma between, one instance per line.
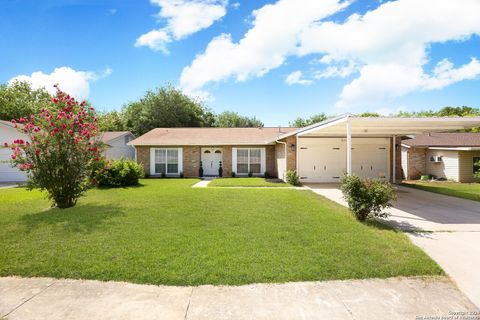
x=33, y=296
x=188, y=305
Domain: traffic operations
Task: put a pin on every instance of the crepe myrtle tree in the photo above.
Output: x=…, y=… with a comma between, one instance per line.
x=60, y=150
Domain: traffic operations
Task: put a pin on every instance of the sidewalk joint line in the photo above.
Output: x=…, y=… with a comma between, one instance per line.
x=188, y=305
x=21, y=304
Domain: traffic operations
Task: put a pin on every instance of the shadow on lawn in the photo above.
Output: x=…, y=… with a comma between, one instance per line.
x=85, y=218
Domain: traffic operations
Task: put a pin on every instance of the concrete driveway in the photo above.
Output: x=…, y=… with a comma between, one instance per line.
x=446, y=228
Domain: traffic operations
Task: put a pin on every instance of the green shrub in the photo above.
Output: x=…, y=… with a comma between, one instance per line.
x=118, y=173
x=477, y=173
x=267, y=175
x=234, y=174
x=293, y=178
x=367, y=197
x=250, y=174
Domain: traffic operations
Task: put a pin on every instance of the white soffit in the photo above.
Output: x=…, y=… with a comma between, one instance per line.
x=387, y=126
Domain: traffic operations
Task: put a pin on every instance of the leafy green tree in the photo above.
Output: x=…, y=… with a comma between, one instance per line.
x=18, y=99
x=165, y=107
x=369, y=114
x=303, y=122
x=111, y=121
x=230, y=119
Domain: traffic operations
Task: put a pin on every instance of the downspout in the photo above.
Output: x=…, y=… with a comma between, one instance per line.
x=286, y=157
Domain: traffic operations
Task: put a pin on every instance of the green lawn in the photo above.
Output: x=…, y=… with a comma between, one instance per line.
x=461, y=190
x=246, y=182
x=166, y=232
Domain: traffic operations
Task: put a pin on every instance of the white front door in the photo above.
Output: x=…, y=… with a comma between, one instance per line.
x=211, y=158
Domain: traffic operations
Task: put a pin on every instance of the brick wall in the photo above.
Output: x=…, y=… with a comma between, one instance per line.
x=227, y=161
x=191, y=161
x=143, y=157
x=192, y=157
x=291, y=154
x=416, y=163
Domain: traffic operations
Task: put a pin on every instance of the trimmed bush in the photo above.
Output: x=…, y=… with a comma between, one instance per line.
x=293, y=178
x=118, y=173
x=367, y=198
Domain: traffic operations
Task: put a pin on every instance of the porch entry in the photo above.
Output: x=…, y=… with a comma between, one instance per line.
x=211, y=158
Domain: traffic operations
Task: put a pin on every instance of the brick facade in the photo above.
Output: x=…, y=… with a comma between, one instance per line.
x=192, y=157
x=143, y=157
x=191, y=161
x=291, y=154
x=416, y=163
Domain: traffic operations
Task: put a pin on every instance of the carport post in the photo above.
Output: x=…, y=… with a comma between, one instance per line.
x=394, y=160
x=349, y=148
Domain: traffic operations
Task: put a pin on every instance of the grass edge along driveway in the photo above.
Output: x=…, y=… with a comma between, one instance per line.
x=470, y=191
x=166, y=232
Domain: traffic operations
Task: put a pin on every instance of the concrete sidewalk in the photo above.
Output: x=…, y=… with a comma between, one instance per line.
x=395, y=298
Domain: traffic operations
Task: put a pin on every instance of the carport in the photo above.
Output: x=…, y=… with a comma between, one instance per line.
x=366, y=146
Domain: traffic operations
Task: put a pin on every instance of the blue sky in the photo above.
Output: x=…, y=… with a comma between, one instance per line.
x=272, y=59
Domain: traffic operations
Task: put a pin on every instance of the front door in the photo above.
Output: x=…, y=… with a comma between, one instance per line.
x=211, y=158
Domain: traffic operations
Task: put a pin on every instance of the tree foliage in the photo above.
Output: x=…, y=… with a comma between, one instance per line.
x=230, y=119
x=303, y=122
x=60, y=149
x=18, y=99
x=165, y=107
x=111, y=121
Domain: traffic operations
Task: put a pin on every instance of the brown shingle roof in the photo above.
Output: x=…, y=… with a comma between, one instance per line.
x=210, y=136
x=461, y=139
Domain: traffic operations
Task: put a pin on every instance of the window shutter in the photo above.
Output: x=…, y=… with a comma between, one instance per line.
x=180, y=160
x=263, y=161
x=152, y=161
x=234, y=160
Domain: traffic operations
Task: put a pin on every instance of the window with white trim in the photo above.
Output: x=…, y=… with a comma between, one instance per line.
x=249, y=160
x=166, y=161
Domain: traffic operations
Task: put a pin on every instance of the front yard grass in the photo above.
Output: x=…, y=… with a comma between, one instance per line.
x=469, y=191
x=246, y=182
x=166, y=232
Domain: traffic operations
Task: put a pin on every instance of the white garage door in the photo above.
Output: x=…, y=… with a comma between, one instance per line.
x=325, y=159
x=7, y=173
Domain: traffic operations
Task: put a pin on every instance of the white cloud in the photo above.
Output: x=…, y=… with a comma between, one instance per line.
x=265, y=46
x=341, y=70
x=389, y=45
x=296, y=78
x=76, y=83
x=387, y=48
x=236, y=5
x=183, y=18
x=445, y=74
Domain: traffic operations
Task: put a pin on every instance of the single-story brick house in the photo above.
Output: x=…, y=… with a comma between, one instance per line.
x=366, y=146
x=449, y=156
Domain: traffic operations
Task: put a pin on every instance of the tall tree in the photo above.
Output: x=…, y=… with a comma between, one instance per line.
x=303, y=122
x=230, y=119
x=111, y=121
x=165, y=107
x=18, y=99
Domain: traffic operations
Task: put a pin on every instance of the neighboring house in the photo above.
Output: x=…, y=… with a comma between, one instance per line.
x=8, y=133
x=449, y=156
x=117, y=144
x=322, y=152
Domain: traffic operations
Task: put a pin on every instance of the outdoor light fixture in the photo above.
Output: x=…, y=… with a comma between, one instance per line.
x=292, y=147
